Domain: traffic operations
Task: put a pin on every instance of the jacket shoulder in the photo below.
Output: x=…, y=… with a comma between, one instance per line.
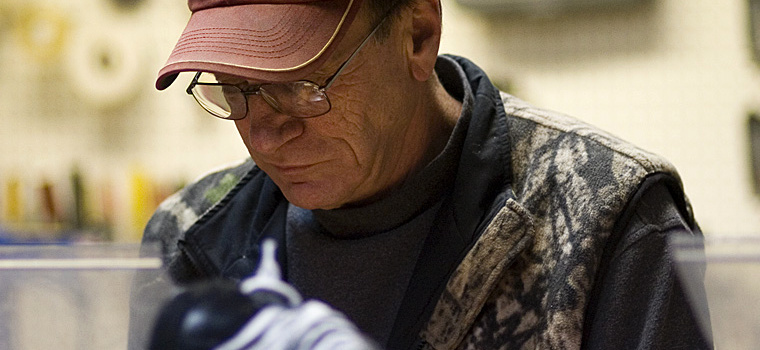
x=175, y=215
x=547, y=145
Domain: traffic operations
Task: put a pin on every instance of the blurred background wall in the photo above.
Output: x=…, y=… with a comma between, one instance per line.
x=88, y=147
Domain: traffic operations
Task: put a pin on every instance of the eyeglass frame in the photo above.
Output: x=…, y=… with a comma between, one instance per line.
x=256, y=89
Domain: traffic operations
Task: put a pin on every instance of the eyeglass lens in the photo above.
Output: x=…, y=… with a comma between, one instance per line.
x=223, y=101
x=301, y=99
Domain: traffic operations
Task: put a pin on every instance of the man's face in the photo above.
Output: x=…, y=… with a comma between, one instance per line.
x=356, y=151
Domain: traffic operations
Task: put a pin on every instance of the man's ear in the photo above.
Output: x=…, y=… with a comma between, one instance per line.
x=425, y=39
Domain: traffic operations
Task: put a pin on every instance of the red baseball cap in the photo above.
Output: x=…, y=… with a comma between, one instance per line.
x=267, y=40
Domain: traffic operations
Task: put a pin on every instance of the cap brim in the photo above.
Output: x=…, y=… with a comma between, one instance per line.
x=266, y=42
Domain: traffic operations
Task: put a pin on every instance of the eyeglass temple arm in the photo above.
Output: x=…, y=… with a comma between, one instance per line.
x=359, y=48
x=193, y=83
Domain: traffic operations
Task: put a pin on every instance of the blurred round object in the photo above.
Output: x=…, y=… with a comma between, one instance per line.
x=105, y=66
x=42, y=31
x=127, y=5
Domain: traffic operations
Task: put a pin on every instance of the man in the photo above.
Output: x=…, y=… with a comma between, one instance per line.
x=407, y=192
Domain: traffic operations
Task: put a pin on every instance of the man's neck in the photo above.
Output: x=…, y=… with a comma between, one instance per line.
x=438, y=118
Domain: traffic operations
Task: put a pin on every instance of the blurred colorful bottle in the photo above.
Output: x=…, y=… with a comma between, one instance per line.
x=13, y=202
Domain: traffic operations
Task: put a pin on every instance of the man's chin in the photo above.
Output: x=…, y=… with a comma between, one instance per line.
x=309, y=195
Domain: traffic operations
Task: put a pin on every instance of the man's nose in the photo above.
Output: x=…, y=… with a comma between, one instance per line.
x=268, y=128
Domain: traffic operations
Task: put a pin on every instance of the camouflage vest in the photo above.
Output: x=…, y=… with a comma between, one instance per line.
x=527, y=281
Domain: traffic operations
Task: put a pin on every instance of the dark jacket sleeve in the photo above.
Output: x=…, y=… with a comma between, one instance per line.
x=638, y=301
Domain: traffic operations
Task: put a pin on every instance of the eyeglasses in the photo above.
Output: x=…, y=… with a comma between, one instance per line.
x=300, y=99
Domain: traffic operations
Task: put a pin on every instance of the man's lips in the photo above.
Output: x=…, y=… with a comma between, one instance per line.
x=293, y=169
